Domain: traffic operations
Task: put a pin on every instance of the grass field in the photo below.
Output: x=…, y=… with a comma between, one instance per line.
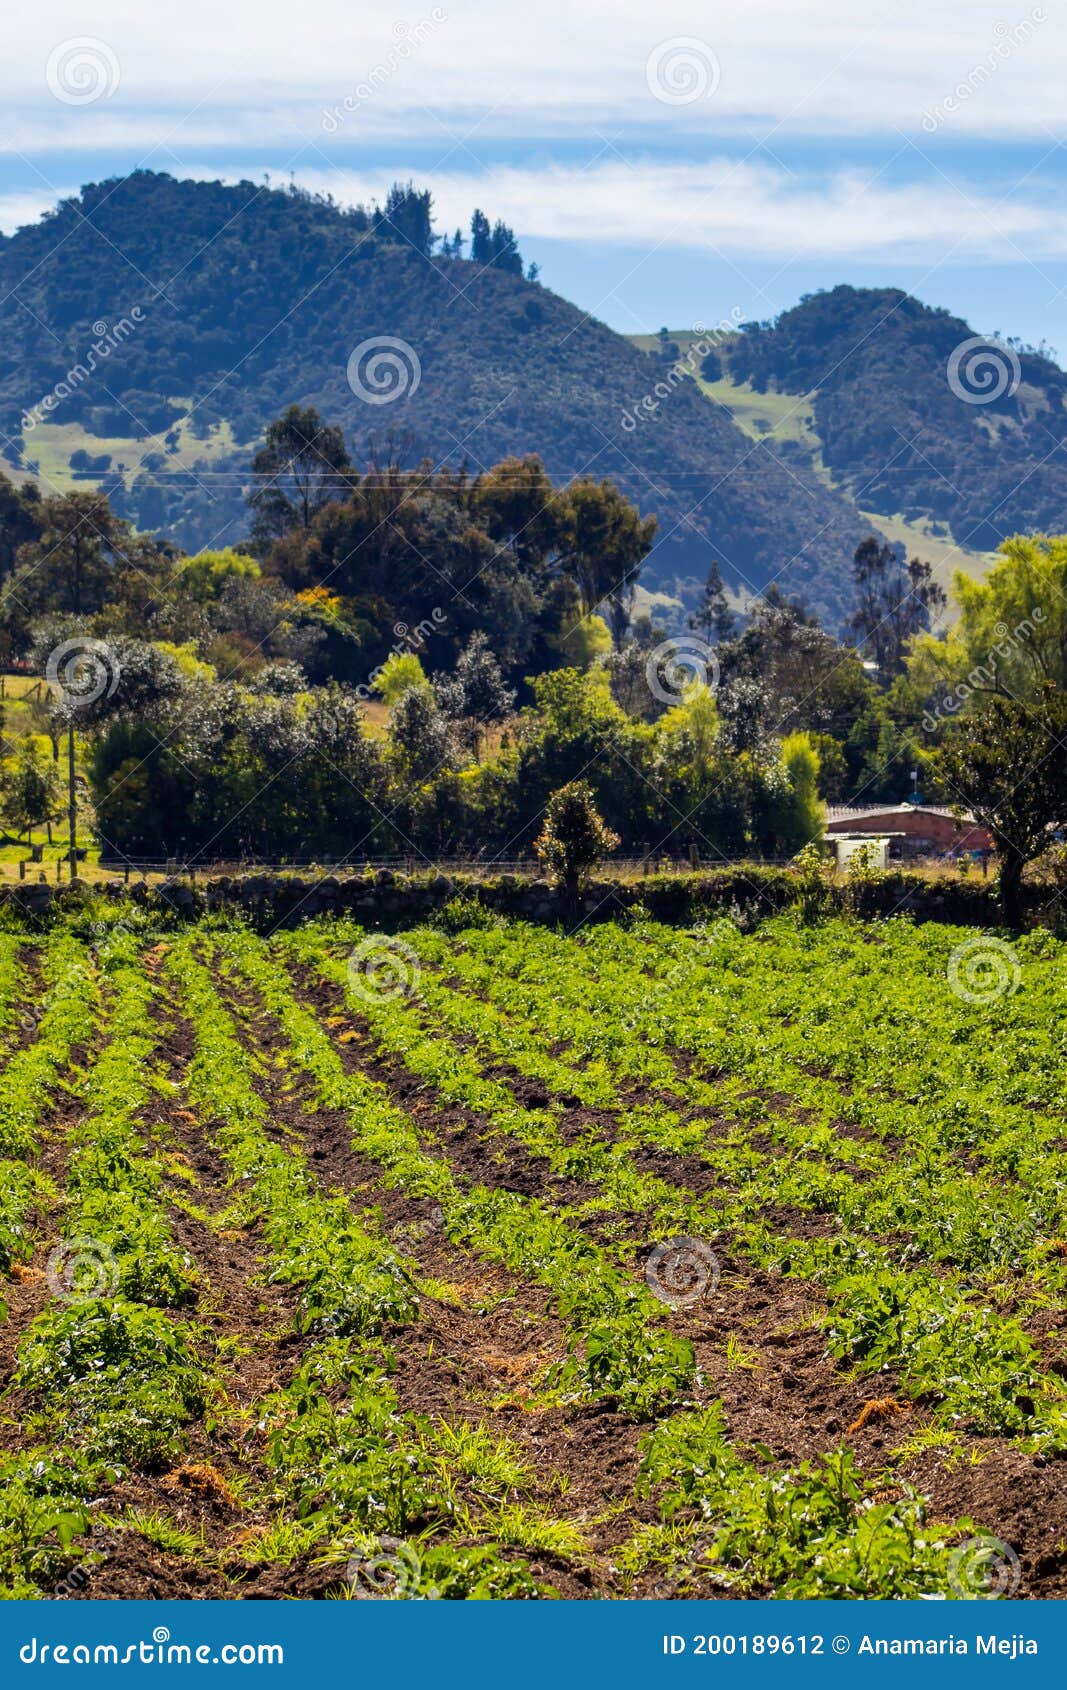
x=482, y=1261
x=19, y=695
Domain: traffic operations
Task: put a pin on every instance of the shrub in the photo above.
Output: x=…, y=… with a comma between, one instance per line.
x=574, y=838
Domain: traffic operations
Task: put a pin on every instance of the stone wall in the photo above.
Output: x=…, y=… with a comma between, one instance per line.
x=389, y=900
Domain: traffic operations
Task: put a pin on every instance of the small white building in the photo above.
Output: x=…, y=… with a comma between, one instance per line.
x=845, y=846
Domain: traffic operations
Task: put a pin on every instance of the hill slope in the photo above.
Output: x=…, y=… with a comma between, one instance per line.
x=220, y=305
x=913, y=424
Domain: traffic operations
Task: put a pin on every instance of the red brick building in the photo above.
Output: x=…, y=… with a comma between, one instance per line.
x=921, y=830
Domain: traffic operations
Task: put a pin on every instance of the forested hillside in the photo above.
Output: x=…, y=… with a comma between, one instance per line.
x=225, y=304
x=912, y=419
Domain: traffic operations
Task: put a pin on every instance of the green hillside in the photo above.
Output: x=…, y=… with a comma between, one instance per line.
x=791, y=420
x=917, y=418
x=244, y=300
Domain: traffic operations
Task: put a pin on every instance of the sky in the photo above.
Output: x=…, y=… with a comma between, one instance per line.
x=678, y=165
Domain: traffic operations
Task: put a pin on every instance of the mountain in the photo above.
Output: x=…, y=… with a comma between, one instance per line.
x=150, y=328
x=916, y=417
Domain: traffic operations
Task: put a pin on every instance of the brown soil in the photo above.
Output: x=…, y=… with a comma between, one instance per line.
x=483, y=1357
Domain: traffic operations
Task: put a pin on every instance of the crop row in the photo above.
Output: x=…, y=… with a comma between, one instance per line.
x=823, y=1530
x=889, y=1305
x=345, y=1475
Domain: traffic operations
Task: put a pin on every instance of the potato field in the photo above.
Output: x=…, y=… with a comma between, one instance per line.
x=484, y=1261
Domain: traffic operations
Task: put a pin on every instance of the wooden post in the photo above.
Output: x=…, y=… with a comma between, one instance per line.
x=72, y=802
x=694, y=856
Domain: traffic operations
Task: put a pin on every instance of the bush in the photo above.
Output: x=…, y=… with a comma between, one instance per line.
x=574, y=838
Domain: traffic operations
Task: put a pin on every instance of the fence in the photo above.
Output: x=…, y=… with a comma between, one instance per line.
x=649, y=862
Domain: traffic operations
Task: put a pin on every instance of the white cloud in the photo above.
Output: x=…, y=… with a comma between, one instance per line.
x=263, y=71
x=19, y=208
x=739, y=208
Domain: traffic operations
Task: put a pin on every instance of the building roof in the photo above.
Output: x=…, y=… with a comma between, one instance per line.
x=867, y=812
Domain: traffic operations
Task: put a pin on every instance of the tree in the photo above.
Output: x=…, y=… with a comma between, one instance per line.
x=399, y=674
x=713, y=617
x=205, y=576
x=494, y=246
x=474, y=695
x=788, y=810
x=602, y=541
x=1010, y=638
x=574, y=838
x=31, y=792
x=70, y=566
x=300, y=467
x=516, y=502
x=506, y=255
x=408, y=216
x=1008, y=767
x=896, y=602
x=420, y=736
x=784, y=674
x=20, y=519
x=481, y=239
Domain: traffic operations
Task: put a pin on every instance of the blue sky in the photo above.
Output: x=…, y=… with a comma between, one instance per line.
x=675, y=166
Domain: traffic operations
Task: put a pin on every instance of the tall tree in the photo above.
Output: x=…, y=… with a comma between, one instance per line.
x=20, y=519
x=1010, y=637
x=301, y=466
x=602, y=541
x=474, y=695
x=494, y=245
x=897, y=601
x=713, y=617
x=481, y=239
x=408, y=216
x=70, y=566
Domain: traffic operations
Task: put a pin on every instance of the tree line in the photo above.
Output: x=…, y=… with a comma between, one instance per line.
x=415, y=660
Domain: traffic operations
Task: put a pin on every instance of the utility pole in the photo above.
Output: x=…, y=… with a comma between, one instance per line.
x=72, y=800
